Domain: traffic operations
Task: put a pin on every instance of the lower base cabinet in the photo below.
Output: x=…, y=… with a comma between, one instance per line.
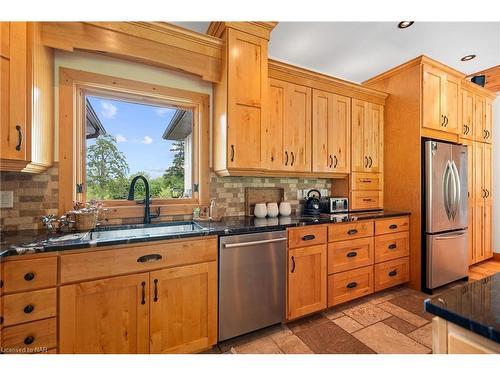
x=167, y=311
x=348, y=285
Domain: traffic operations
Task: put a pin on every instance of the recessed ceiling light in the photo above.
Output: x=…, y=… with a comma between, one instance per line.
x=405, y=24
x=467, y=58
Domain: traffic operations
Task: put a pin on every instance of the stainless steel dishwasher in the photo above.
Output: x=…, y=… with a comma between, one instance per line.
x=252, y=278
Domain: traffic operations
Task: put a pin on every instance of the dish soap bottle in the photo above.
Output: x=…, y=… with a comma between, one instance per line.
x=213, y=209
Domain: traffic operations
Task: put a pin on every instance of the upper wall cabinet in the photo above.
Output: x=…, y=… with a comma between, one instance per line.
x=287, y=134
x=477, y=113
x=331, y=132
x=367, y=147
x=27, y=102
x=440, y=98
x=240, y=101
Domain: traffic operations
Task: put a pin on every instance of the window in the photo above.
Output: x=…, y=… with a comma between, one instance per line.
x=111, y=130
x=126, y=139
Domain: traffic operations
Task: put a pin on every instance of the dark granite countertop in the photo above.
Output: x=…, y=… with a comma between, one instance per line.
x=32, y=242
x=474, y=306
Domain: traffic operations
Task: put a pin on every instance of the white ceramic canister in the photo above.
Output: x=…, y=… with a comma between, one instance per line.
x=272, y=209
x=260, y=210
x=285, y=209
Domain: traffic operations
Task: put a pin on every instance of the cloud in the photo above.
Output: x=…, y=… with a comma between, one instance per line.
x=147, y=140
x=120, y=138
x=108, y=110
x=162, y=111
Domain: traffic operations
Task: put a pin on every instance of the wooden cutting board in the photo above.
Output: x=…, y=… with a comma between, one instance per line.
x=255, y=195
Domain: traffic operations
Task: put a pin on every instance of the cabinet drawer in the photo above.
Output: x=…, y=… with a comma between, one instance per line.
x=306, y=236
x=391, y=225
x=28, y=306
x=29, y=274
x=366, y=181
x=391, y=273
x=366, y=200
x=347, y=255
x=345, y=286
x=31, y=337
x=392, y=246
x=347, y=231
x=133, y=258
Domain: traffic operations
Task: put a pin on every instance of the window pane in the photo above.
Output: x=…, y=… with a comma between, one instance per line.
x=125, y=139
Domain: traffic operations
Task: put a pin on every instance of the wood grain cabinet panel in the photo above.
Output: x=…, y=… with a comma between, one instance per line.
x=105, y=316
x=29, y=306
x=391, y=273
x=367, y=181
x=29, y=274
x=433, y=98
x=31, y=337
x=307, y=236
x=467, y=124
x=184, y=308
x=306, y=280
x=347, y=255
x=349, y=285
x=392, y=225
x=480, y=118
x=392, y=246
x=488, y=120
x=347, y=231
x=452, y=104
x=367, y=199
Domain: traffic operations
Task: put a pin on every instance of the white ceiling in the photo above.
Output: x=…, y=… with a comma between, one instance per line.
x=357, y=51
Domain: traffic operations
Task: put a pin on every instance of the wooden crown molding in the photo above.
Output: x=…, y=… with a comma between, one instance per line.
x=492, y=78
x=153, y=43
x=471, y=86
x=257, y=28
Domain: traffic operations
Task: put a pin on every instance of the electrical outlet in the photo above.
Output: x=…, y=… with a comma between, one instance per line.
x=6, y=199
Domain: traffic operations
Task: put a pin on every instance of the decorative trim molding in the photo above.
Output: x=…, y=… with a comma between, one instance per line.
x=257, y=28
x=492, y=78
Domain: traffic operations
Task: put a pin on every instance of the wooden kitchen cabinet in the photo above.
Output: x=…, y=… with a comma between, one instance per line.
x=184, y=308
x=27, y=121
x=467, y=124
x=470, y=199
x=331, y=132
x=307, y=280
x=287, y=134
x=440, y=100
x=367, y=134
x=105, y=316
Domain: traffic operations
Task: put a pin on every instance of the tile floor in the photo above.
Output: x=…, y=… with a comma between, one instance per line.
x=391, y=321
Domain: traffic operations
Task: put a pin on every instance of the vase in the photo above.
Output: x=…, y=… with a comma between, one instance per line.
x=260, y=210
x=285, y=209
x=272, y=210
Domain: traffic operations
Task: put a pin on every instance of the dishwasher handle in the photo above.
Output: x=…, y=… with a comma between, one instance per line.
x=252, y=243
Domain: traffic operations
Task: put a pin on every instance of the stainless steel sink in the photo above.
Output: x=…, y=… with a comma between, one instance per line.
x=104, y=234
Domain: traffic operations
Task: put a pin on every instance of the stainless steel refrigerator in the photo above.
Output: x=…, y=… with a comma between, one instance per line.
x=446, y=215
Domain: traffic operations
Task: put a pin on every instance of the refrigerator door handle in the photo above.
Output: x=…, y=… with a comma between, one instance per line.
x=446, y=190
x=458, y=235
x=456, y=178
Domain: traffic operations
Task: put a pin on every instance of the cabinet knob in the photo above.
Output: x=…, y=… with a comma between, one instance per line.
x=352, y=254
x=392, y=246
x=352, y=231
x=29, y=309
x=29, y=340
x=29, y=276
x=393, y=273
x=393, y=226
x=308, y=237
x=354, y=284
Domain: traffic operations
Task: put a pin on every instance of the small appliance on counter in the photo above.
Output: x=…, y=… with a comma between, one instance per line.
x=332, y=205
x=311, y=205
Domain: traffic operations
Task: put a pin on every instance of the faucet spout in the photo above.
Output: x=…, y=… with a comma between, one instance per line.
x=131, y=193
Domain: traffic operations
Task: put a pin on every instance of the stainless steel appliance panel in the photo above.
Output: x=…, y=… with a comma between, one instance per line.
x=446, y=258
x=459, y=166
x=252, y=282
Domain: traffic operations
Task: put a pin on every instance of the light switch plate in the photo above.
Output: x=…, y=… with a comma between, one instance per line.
x=6, y=199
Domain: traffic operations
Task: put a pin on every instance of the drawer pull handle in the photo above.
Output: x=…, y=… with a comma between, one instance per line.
x=149, y=258
x=19, y=138
x=367, y=199
x=232, y=152
x=366, y=181
x=156, y=290
x=293, y=265
x=352, y=254
x=308, y=237
x=392, y=246
x=393, y=273
x=143, y=294
x=352, y=231
x=29, y=340
x=393, y=226
x=29, y=276
x=354, y=284
x=29, y=309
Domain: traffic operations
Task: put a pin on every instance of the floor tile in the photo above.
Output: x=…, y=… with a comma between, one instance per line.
x=332, y=313
x=259, y=346
x=307, y=322
x=214, y=350
x=386, y=340
x=291, y=344
x=328, y=338
x=278, y=331
x=367, y=314
x=348, y=324
x=400, y=325
x=226, y=345
x=403, y=314
x=413, y=302
x=423, y=335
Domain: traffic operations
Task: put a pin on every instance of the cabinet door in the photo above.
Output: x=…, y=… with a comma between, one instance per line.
x=306, y=280
x=451, y=104
x=247, y=94
x=467, y=124
x=273, y=139
x=488, y=202
x=297, y=131
x=184, y=308
x=479, y=202
x=374, y=138
x=488, y=120
x=15, y=130
x=359, y=161
x=470, y=198
x=339, y=137
x=434, y=84
x=479, y=118
x=105, y=316
x=322, y=119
